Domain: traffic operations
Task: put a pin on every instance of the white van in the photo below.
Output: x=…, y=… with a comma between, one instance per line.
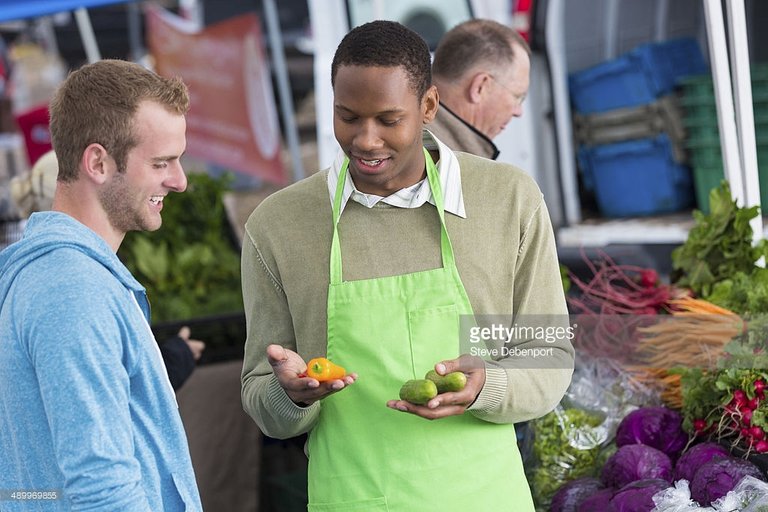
x=566, y=36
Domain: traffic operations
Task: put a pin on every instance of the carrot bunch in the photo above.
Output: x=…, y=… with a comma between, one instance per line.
x=693, y=335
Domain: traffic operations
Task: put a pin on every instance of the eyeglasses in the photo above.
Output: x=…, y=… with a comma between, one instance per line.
x=517, y=97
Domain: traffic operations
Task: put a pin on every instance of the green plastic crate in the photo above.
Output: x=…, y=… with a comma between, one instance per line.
x=697, y=99
x=703, y=136
x=759, y=71
x=702, y=85
x=707, y=158
x=761, y=120
x=761, y=108
x=698, y=144
x=698, y=110
x=697, y=84
x=699, y=93
x=702, y=131
x=705, y=178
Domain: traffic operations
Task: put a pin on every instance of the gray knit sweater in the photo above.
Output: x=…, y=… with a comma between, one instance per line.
x=506, y=257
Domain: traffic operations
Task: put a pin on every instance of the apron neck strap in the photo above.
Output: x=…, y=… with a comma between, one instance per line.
x=437, y=195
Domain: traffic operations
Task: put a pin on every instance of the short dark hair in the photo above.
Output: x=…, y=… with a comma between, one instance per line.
x=386, y=44
x=97, y=103
x=476, y=41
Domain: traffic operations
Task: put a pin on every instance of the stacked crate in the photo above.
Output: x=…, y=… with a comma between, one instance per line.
x=629, y=129
x=703, y=136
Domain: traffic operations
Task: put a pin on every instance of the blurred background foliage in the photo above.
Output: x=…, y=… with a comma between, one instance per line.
x=191, y=265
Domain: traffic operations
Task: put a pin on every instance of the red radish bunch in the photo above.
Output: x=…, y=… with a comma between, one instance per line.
x=620, y=290
x=613, y=304
x=649, y=278
x=700, y=427
x=737, y=419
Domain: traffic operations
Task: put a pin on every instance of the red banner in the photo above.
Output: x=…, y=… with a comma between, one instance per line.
x=232, y=121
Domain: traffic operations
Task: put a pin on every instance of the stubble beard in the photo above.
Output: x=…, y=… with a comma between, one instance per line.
x=124, y=212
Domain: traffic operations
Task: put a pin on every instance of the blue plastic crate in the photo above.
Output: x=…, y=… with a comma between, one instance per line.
x=669, y=62
x=617, y=83
x=636, y=178
x=637, y=77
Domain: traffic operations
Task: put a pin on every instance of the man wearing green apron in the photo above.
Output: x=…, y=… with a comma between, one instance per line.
x=374, y=263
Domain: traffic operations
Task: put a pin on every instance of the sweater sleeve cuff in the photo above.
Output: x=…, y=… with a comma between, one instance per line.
x=492, y=395
x=284, y=407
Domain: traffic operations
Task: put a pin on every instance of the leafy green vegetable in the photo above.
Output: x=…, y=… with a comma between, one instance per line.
x=742, y=292
x=189, y=266
x=567, y=445
x=718, y=258
x=701, y=397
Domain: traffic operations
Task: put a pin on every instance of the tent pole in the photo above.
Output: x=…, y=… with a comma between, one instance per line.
x=283, y=87
x=134, y=32
x=48, y=34
x=87, y=35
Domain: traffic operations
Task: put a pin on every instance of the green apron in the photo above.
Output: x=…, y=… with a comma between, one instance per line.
x=364, y=456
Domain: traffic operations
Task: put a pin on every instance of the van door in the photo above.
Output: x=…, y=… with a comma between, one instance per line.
x=332, y=19
x=573, y=35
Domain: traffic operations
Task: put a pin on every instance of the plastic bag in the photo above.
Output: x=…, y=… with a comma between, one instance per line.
x=567, y=444
x=750, y=495
x=574, y=440
x=602, y=384
x=677, y=499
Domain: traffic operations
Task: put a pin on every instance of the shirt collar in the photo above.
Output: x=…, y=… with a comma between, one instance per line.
x=415, y=195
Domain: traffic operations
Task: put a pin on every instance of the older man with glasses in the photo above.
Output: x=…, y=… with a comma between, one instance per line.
x=481, y=70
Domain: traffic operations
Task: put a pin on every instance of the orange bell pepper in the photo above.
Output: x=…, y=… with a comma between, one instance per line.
x=324, y=370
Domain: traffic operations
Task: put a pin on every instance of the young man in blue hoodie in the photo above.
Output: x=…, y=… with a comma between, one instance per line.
x=89, y=419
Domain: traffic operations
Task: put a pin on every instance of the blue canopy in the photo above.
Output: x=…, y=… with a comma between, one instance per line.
x=15, y=10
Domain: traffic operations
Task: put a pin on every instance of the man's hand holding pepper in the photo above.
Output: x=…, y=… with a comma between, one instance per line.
x=290, y=368
x=451, y=403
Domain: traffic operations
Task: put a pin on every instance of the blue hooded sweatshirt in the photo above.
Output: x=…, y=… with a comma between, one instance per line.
x=88, y=419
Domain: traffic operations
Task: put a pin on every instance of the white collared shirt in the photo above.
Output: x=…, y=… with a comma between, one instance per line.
x=415, y=195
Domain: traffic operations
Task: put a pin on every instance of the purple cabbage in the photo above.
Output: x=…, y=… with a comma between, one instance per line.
x=697, y=456
x=638, y=496
x=714, y=479
x=598, y=502
x=635, y=462
x=658, y=427
x=569, y=496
